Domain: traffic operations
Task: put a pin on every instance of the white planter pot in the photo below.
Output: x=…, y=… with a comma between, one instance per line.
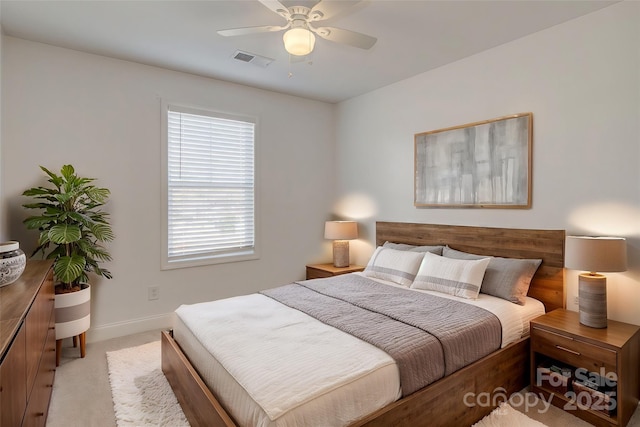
x=73, y=313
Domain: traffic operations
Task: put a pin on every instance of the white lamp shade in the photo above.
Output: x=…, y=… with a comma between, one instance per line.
x=340, y=230
x=596, y=254
x=299, y=41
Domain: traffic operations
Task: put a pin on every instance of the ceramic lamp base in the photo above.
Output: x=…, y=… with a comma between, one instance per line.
x=341, y=253
x=592, y=293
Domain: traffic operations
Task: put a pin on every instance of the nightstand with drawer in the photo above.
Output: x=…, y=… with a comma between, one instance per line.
x=592, y=373
x=318, y=271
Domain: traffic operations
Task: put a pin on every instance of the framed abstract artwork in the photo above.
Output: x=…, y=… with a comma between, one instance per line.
x=478, y=165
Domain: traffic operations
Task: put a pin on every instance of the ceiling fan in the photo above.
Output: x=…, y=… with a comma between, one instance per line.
x=299, y=38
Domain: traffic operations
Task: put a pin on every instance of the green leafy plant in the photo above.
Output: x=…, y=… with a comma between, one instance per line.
x=72, y=225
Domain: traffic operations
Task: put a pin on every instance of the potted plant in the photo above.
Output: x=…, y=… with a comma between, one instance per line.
x=72, y=230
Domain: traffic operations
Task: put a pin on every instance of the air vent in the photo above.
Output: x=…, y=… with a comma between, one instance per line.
x=241, y=56
x=252, y=58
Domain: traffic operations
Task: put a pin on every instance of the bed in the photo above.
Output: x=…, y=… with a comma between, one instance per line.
x=440, y=402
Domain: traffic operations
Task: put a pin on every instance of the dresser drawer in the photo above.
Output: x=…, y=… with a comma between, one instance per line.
x=577, y=353
x=38, y=406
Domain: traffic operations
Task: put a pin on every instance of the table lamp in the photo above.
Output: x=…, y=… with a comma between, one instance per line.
x=340, y=232
x=592, y=255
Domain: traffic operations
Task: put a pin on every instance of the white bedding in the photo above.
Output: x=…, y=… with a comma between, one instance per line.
x=334, y=399
x=308, y=373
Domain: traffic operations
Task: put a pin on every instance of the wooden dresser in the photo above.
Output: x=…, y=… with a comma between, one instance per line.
x=27, y=346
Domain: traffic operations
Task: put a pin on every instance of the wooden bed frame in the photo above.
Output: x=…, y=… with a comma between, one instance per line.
x=442, y=402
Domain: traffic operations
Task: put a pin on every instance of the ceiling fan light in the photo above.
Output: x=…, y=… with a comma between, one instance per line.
x=299, y=41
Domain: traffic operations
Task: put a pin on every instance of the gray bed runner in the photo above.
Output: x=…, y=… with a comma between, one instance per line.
x=428, y=336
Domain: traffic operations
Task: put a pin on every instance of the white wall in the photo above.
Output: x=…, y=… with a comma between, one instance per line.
x=580, y=79
x=103, y=116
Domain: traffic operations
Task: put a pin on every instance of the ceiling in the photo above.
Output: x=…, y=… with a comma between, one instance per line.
x=413, y=37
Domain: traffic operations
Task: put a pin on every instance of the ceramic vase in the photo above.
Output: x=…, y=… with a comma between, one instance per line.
x=12, y=262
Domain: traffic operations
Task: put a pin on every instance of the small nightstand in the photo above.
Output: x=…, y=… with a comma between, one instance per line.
x=566, y=356
x=317, y=271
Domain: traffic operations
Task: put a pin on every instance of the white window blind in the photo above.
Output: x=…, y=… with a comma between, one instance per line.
x=210, y=185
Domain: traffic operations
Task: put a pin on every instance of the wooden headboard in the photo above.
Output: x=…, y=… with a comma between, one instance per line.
x=547, y=284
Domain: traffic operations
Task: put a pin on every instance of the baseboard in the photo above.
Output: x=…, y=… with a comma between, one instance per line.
x=128, y=327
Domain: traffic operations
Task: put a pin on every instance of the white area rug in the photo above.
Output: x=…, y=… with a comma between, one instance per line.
x=505, y=416
x=141, y=394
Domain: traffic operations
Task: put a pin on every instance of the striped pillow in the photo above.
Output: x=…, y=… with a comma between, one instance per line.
x=506, y=278
x=461, y=278
x=393, y=265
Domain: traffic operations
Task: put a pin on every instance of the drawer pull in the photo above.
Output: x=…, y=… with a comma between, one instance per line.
x=567, y=350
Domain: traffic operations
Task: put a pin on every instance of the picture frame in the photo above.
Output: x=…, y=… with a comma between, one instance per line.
x=485, y=164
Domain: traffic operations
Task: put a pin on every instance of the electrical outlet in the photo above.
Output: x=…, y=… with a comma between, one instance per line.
x=154, y=292
x=576, y=300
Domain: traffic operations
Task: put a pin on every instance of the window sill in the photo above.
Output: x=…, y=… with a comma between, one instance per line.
x=210, y=260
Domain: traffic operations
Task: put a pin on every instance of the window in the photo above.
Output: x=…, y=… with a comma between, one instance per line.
x=209, y=187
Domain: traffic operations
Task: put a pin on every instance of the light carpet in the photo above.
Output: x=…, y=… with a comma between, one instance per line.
x=505, y=416
x=141, y=394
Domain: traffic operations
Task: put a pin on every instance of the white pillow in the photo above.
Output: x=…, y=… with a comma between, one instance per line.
x=405, y=247
x=393, y=265
x=457, y=277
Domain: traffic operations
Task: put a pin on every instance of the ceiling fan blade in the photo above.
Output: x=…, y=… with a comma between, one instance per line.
x=250, y=30
x=326, y=9
x=277, y=7
x=348, y=37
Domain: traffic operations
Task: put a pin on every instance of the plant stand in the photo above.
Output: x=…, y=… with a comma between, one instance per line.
x=83, y=346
